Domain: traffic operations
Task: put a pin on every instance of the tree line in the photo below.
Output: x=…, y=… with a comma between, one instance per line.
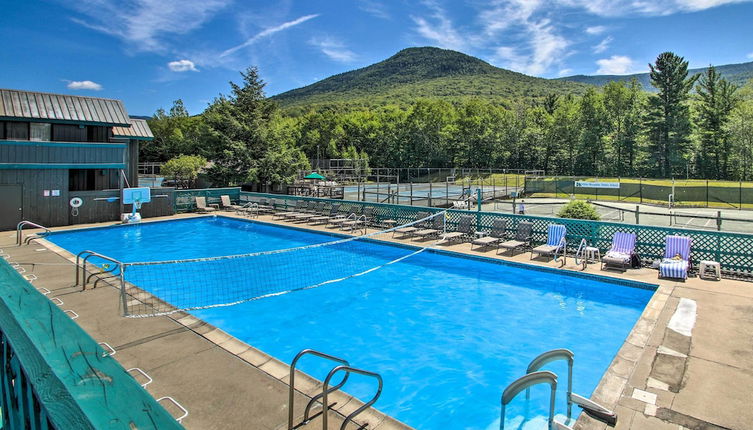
x=697, y=127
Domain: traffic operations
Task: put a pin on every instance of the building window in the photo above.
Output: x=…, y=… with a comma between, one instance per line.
x=17, y=130
x=40, y=131
x=69, y=133
x=93, y=179
x=81, y=179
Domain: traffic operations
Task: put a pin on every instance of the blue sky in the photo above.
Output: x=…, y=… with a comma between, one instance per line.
x=151, y=52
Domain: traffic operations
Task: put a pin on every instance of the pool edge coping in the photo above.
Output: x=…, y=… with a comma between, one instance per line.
x=608, y=391
x=267, y=363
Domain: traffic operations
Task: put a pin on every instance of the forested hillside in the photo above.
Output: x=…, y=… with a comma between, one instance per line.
x=695, y=126
x=419, y=73
x=738, y=74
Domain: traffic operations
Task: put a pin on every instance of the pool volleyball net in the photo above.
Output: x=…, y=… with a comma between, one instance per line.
x=165, y=287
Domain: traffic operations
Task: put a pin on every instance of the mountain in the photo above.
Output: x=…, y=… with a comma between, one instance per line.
x=424, y=72
x=736, y=73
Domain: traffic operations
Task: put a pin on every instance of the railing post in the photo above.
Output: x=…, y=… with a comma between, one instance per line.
x=122, y=290
x=719, y=220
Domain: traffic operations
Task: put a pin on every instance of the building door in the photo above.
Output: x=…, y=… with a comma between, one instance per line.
x=11, y=208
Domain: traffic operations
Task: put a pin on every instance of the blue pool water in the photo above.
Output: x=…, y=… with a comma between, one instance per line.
x=447, y=333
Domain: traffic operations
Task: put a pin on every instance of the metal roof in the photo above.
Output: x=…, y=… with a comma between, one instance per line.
x=139, y=129
x=27, y=105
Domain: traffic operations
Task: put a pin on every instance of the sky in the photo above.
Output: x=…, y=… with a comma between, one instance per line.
x=149, y=53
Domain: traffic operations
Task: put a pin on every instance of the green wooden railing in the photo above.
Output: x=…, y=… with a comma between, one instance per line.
x=54, y=375
x=185, y=200
x=733, y=250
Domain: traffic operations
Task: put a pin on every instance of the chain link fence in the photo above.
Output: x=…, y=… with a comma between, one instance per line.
x=670, y=192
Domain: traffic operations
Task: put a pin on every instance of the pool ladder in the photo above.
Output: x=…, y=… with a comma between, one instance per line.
x=580, y=254
x=342, y=367
x=20, y=232
x=535, y=376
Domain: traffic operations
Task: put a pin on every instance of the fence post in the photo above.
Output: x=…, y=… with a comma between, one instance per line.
x=619, y=186
x=707, y=193
x=719, y=220
x=741, y=196
x=411, y=192
x=637, y=214
x=430, y=191
x=640, y=189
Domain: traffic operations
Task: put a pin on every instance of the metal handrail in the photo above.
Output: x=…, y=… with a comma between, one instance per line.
x=524, y=383
x=581, y=249
x=178, y=405
x=85, y=255
x=20, y=228
x=348, y=370
x=364, y=223
x=291, y=390
x=563, y=247
x=589, y=406
x=547, y=357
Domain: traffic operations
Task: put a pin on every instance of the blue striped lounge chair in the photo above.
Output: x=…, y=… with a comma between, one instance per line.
x=671, y=267
x=621, y=252
x=555, y=241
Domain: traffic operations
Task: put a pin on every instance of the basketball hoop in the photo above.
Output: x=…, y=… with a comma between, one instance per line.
x=135, y=197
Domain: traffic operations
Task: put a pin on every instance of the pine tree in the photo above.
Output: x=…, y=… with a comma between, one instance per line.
x=593, y=130
x=242, y=147
x=717, y=99
x=623, y=106
x=669, y=114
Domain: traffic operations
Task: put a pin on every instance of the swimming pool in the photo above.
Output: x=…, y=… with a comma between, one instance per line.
x=447, y=333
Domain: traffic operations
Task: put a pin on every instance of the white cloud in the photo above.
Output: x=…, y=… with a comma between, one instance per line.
x=182, y=66
x=84, y=85
x=750, y=55
x=565, y=72
x=507, y=13
x=374, y=8
x=145, y=23
x=644, y=7
x=268, y=32
x=603, y=45
x=615, y=65
x=334, y=49
x=597, y=29
x=439, y=29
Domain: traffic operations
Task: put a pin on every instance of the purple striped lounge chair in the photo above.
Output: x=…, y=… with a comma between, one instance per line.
x=671, y=267
x=621, y=252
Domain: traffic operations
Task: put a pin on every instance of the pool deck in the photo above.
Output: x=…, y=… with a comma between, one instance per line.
x=661, y=378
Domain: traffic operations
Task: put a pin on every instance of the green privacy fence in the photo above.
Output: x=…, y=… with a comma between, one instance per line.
x=185, y=200
x=733, y=250
x=54, y=375
x=703, y=193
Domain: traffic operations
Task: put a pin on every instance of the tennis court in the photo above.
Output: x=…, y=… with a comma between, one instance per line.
x=732, y=220
x=419, y=193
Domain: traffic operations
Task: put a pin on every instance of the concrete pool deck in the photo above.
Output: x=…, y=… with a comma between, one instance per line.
x=661, y=378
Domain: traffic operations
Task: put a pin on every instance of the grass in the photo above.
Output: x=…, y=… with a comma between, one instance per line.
x=662, y=182
x=496, y=179
x=689, y=204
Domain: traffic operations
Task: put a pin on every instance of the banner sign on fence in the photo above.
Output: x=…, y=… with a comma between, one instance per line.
x=589, y=184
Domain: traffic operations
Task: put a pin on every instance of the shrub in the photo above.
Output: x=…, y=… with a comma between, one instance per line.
x=184, y=169
x=579, y=209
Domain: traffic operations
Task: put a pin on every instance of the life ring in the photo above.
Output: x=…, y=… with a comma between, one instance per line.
x=76, y=202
